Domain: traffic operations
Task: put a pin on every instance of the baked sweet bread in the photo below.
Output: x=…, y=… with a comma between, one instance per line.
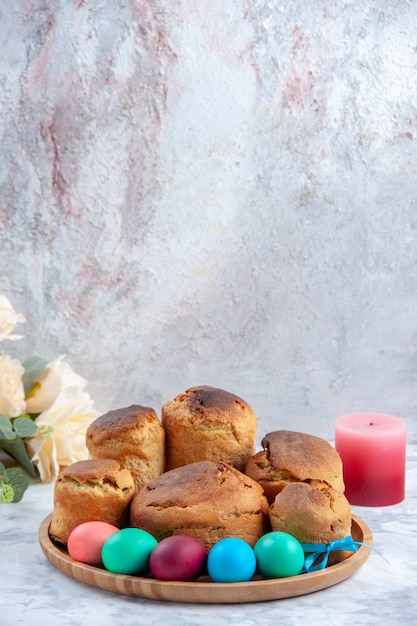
x=289, y=457
x=312, y=513
x=91, y=490
x=207, y=500
x=208, y=424
x=134, y=436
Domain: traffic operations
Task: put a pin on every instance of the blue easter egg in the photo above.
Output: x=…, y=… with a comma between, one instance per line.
x=231, y=560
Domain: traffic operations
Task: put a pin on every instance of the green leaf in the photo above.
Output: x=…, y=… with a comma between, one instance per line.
x=17, y=450
x=6, y=428
x=6, y=493
x=24, y=427
x=10, y=472
x=13, y=484
x=34, y=367
x=18, y=482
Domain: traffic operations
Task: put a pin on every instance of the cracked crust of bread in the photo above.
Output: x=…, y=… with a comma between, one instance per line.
x=312, y=513
x=208, y=424
x=208, y=500
x=134, y=436
x=290, y=457
x=91, y=490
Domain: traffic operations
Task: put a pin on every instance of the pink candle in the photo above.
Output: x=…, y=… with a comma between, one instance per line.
x=372, y=448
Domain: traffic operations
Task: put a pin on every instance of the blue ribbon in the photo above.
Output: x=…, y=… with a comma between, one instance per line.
x=316, y=550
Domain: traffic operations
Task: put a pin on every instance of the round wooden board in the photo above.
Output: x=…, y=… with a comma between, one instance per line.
x=204, y=590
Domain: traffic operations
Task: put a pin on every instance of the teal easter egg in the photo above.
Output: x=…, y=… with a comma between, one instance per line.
x=128, y=551
x=278, y=555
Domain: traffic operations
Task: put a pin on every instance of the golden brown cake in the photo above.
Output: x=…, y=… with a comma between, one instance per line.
x=290, y=457
x=92, y=490
x=312, y=513
x=208, y=424
x=207, y=500
x=134, y=436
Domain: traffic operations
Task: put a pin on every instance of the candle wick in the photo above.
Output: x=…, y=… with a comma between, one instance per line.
x=371, y=423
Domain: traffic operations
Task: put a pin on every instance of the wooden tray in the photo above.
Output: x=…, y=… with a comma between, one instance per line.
x=204, y=590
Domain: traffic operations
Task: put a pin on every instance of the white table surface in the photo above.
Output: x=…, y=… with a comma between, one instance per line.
x=381, y=592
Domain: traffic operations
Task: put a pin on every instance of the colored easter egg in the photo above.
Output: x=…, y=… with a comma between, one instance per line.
x=278, y=555
x=86, y=541
x=128, y=551
x=231, y=560
x=179, y=557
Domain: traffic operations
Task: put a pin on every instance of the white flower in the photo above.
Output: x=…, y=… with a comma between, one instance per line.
x=69, y=416
x=56, y=377
x=12, y=394
x=8, y=320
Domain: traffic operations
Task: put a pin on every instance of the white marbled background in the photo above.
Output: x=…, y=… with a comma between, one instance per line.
x=216, y=193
